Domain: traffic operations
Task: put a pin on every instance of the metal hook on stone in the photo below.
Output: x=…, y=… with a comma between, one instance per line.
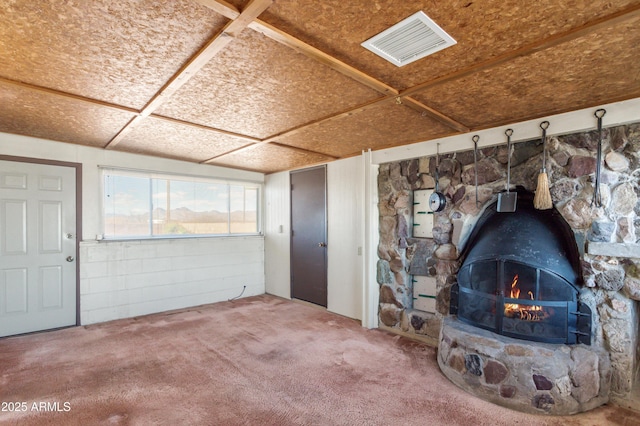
x=597, y=197
x=475, y=140
x=544, y=126
x=507, y=200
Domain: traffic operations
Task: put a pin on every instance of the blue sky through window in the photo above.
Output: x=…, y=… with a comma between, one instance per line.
x=130, y=201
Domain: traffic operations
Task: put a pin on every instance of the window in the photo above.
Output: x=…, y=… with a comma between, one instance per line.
x=147, y=205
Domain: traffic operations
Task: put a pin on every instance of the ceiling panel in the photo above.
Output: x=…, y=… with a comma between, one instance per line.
x=259, y=88
x=34, y=113
x=483, y=29
x=294, y=87
x=155, y=136
x=269, y=158
x=117, y=51
x=238, y=4
x=563, y=78
x=378, y=126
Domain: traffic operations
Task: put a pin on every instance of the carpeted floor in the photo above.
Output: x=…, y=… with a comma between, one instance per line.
x=255, y=361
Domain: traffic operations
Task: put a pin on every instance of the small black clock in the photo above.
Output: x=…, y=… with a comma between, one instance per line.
x=437, y=201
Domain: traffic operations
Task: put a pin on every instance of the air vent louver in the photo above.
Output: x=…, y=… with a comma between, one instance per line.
x=409, y=40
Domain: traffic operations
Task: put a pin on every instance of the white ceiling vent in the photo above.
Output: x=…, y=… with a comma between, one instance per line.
x=409, y=40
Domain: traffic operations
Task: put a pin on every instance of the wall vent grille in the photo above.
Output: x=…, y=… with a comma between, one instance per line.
x=409, y=40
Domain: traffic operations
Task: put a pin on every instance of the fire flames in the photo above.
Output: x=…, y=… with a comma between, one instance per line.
x=524, y=312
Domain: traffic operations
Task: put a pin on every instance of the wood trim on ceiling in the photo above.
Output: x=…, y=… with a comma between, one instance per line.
x=119, y=108
x=552, y=41
x=288, y=40
x=350, y=111
x=207, y=52
x=242, y=148
x=435, y=114
x=250, y=20
x=293, y=131
x=408, y=101
x=405, y=95
x=628, y=13
x=222, y=7
x=203, y=127
x=65, y=95
x=254, y=146
x=304, y=150
x=196, y=63
x=294, y=43
x=268, y=30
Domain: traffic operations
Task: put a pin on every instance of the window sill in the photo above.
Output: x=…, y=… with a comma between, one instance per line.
x=100, y=239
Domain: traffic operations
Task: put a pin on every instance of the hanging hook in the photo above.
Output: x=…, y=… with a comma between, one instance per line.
x=437, y=165
x=544, y=126
x=475, y=140
x=509, y=133
x=597, y=198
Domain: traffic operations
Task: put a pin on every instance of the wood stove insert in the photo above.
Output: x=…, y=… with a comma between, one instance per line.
x=521, y=276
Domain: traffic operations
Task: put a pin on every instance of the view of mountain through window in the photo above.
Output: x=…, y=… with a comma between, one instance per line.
x=151, y=205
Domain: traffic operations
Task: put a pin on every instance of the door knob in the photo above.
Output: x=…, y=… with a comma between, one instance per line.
x=322, y=244
x=70, y=259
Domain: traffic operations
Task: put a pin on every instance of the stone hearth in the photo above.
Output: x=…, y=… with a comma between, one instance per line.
x=608, y=240
x=523, y=375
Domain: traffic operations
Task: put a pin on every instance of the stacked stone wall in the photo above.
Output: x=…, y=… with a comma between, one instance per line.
x=608, y=236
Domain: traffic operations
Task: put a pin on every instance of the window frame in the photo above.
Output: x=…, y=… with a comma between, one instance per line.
x=150, y=175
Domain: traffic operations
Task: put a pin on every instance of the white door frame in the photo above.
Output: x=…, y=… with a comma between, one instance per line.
x=78, y=189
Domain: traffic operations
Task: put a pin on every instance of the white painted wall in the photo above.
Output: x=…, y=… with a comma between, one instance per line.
x=91, y=158
x=277, y=231
x=345, y=224
x=122, y=279
x=370, y=240
x=349, y=182
x=128, y=278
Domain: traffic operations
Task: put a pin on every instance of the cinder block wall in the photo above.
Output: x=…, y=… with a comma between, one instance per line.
x=121, y=279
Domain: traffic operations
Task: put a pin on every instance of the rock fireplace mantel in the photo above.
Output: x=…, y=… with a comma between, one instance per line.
x=529, y=376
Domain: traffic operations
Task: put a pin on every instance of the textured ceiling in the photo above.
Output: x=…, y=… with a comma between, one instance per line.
x=271, y=85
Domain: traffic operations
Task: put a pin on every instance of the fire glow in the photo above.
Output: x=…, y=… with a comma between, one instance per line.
x=523, y=312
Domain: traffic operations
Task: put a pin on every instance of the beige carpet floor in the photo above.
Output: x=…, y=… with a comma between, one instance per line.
x=255, y=361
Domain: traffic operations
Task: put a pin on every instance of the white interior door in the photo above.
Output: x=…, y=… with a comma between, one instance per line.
x=37, y=247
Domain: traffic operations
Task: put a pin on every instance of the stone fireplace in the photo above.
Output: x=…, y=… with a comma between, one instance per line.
x=520, y=276
x=582, y=347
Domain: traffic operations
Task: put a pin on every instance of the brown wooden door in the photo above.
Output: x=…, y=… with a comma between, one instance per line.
x=309, y=235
